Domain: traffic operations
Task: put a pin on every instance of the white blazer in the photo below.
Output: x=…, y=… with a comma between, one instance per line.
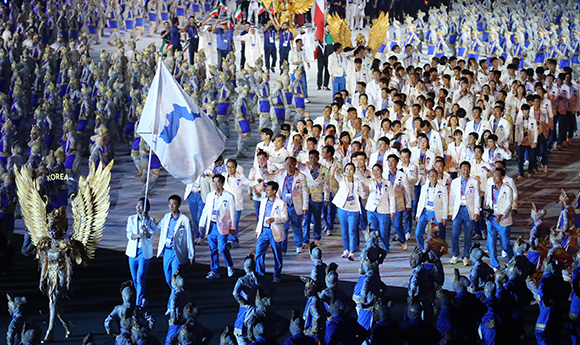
x=504, y=202
x=382, y=201
x=401, y=190
x=470, y=128
x=182, y=238
x=441, y=202
x=373, y=159
x=320, y=121
x=502, y=130
x=226, y=212
x=359, y=191
x=429, y=162
x=472, y=197
x=280, y=214
x=134, y=228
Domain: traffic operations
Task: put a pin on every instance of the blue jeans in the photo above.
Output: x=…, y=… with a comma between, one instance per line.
x=348, y=227
x=313, y=216
x=266, y=239
x=257, y=204
x=329, y=214
x=196, y=206
x=398, y=224
x=381, y=222
x=304, y=82
x=461, y=220
x=408, y=215
x=218, y=245
x=338, y=84
x=422, y=224
x=139, y=266
x=170, y=266
x=417, y=195
x=234, y=238
x=493, y=230
x=296, y=222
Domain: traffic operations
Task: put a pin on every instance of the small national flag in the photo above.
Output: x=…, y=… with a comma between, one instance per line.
x=261, y=8
x=238, y=13
x=222, y=5
x=271, y=8
x=230, y=23
x=185, y=46
x=164, y=47
x=215, y=11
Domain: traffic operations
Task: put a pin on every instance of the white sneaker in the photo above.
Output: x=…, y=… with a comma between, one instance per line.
x=230, y=272
x=407, y=236
x=453, y=260
x=212, y=276
x=503, y=254
x=298, y=250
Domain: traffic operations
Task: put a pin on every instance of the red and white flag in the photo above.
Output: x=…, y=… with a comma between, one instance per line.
x=319, y=19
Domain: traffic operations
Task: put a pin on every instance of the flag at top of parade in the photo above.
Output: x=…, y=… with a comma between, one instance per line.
x=186, y=141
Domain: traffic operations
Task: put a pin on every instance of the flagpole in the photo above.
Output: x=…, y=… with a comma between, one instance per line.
x=150, y=148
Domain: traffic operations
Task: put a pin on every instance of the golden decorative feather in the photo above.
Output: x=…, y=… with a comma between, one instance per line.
x=378, y=31
x=90, y=208
x=302, y=6
x=339, y=30
x=32, y=206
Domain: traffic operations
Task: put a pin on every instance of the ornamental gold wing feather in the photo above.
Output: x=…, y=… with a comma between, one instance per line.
x=90, y=208
x=31, y=203
x=302, y=6
x=334, y=24
x=378, y=31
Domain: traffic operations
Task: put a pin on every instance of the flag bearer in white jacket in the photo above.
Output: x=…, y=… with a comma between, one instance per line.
x=218, y=219
x=175, y=239
x=141, y=230
x=433, y=204
x=464, y=208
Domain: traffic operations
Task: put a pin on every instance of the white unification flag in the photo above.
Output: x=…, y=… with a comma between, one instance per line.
x=186, y=141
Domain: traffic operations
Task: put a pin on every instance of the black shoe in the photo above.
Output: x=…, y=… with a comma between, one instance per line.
x=319, y=88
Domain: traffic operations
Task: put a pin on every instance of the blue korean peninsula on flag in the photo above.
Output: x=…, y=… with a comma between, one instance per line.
x=186, y=141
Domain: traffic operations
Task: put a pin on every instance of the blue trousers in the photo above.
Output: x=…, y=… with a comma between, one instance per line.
x=348, y=228
x=422, y=224
x=264, y=240
x=296, y=222
x=314, y=215
x=381, y=222
x=196, y=206
x=493, y=230
x=170, y=266
x=329, y=214
x=234, y=238
x=362, y=223
x=218, y=245
x=522, y=150
x=408, y=215
x=417, y=195
x=139, y=266
x=542, y=149
x=257, y=204
x=338, y=84
x=462, y=220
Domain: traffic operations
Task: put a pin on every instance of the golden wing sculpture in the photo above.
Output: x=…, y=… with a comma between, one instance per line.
x=302, y=6
x=339, y=30
x=90, y=208
x=378, y=31
x=31, y=203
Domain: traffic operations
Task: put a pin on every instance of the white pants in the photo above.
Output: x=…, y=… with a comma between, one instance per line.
x=253, y=12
